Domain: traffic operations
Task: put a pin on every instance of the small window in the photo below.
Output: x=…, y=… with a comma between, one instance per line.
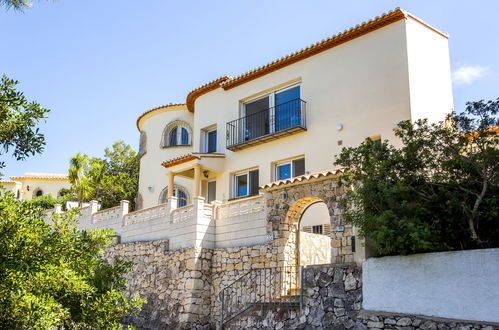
x=177, y=133
x=317, y=229
x=290, y=169
x=211, y=141
x=246, y=184
x=39, y=193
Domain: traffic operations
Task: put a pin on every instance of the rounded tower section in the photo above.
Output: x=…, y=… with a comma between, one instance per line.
x=166, y=132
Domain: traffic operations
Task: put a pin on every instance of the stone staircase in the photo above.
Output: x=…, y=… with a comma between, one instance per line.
x=259, y=290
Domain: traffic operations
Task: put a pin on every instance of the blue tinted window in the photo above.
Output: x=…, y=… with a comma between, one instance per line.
x=283, y=171
x=185, y=136
x=212, y=141
x=172, y=138
x=242, y=185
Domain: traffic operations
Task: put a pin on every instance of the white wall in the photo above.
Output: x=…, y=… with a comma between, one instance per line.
x=460, y=285
x=315, y=249
x=429, y=73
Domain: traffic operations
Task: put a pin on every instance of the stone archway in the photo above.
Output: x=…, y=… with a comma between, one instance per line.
x=286, y=203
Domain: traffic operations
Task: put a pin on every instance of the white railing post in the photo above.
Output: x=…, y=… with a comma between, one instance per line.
x=57, y=208
x=198, y=204
x=93, y=208
x=172, y=203
x=124, y=208
x=216, y=207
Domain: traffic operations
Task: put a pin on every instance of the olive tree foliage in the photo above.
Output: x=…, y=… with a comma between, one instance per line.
x=54, y=276
x=438, y=191
x=19, y=120
x=107, y=180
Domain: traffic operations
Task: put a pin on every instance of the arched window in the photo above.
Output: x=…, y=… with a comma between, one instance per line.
x=38, y=193
x=177, y=133
x=179, y=192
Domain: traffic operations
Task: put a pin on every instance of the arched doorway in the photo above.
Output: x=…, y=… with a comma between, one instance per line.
x=314, y=236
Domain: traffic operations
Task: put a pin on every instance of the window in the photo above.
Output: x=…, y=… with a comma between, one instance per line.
x=290, y=169
x=246, y=184
x=211, y=141
x=177, y=133
x=38, y=193
x=317, y=229
x=275, y=112
x=179, y=192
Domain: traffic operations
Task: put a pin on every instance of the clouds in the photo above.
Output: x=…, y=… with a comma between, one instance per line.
x=466, y=74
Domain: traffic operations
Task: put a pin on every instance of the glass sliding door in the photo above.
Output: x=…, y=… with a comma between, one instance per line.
x=287, y=108
x=256, y=119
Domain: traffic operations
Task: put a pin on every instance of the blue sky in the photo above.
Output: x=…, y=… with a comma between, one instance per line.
x=99, y=64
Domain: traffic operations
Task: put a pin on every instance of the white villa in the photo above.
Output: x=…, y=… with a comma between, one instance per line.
x=33, y=185
x=249, y=159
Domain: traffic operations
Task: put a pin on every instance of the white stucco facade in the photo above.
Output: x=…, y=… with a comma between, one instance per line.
x=460, y=285
x=357, y=89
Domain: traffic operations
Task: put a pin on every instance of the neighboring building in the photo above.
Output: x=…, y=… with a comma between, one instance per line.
x=33, y=185
x=248, y=159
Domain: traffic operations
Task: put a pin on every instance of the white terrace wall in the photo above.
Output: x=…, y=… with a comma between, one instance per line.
x=238, y=223
x=184, y=227
x=460, y=285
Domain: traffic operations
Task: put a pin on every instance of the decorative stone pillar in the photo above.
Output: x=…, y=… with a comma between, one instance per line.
x=94, y=207
x=57, y=208
x=171, y=177
x=197, y=180
x=124, y=207
x=172, y=203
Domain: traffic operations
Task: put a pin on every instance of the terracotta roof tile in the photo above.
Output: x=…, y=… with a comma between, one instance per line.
x=169, y=105
x=179, y=160
x=208, y=87
x=359, y=30
x=305, y=177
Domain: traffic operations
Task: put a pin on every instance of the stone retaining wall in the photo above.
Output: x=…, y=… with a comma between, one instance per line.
x=173, y=283
x=379, y=320
x=229, y=264
x=332, y=300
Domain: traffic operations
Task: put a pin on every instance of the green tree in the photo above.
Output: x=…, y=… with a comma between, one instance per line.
x=437, y=192
x=46, y=202
x=19, y=120
x=78, y=177
x=110, y=179
x=55, y=276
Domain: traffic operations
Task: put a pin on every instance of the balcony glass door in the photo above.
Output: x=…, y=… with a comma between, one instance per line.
x=287, y=108
x=256, y=119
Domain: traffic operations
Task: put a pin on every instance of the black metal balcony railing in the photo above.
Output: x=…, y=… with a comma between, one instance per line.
x=283, y=119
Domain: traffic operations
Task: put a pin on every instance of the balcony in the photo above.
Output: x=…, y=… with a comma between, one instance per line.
x=266, y=125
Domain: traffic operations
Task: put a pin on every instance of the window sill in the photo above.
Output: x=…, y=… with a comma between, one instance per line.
x=177, y=146
x=242, y=197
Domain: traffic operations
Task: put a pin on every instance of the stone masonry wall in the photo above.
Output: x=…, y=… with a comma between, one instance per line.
x=173, y=283
x=332, y=300
x=229, y=264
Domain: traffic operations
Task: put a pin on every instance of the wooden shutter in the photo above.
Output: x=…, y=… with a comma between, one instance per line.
x=307, y=229
x=326, y=229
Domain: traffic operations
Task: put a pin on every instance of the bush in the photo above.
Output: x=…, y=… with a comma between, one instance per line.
x=55, y=276
x=438, y=192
